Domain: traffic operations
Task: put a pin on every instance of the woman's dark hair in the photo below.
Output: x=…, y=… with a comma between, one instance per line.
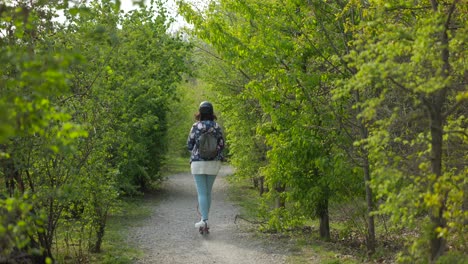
x=200, y=117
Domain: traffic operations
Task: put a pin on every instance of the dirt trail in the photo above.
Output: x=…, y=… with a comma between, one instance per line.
x=169, y=235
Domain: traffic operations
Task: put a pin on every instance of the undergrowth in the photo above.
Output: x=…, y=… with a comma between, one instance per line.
x=347, y=243
x=116, y=248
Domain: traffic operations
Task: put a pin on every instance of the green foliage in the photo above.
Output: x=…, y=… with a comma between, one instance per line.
x=411, y=98
x=180, y=116
x=85, y=118
x=273, y=85
x=317, y=95
x=455, y=258
x=18, y=222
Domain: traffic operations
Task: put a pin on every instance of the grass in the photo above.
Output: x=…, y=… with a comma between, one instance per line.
x=242, y=194
x=175, y=164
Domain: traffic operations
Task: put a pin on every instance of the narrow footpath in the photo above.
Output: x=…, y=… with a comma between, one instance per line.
x=169, y=235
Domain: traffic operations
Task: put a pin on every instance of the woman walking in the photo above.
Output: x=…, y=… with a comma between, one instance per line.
x=204, y=167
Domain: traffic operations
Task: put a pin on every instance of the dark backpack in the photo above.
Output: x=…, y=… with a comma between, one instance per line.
x=208, y=146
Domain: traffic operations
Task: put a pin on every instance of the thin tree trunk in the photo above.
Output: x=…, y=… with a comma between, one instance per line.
x=279, y=201
x=438, y=244
x=13, y=179
x=322, y=212
x=371, y=241
x=258, y=183
x=262, y=185
x=435, y=106
x=100, y=234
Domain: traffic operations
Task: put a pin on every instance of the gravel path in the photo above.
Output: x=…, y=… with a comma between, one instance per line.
x=169, y=235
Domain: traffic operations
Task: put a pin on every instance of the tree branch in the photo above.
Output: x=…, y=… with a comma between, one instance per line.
x=98, y=74
x=434, y=5
x=327, y=61
x=450, y=13
x=422, y=98
x=210, y=53
x=453, y=108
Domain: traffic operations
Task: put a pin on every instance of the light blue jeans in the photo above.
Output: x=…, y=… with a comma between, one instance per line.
x=204, y=184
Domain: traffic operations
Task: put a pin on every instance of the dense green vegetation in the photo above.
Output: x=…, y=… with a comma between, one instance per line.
x=334, y=101
x=85, y=99
x=360, y=104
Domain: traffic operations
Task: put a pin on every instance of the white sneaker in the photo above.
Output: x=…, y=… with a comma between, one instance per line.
x=202, y=223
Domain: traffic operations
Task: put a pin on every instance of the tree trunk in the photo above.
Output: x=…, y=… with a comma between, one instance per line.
x=370, y=239
x=45, y=245
x=46, y=236
x=279, y=201
x=437, y=243
x=37, y=258
x=13, y=179
x=435, y=105
x=322, y=212
x=258, y=183
x=262, y=185
x=100, y=234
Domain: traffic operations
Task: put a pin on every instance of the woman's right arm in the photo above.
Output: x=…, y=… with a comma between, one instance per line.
x=219, y=135
x=191, y=138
